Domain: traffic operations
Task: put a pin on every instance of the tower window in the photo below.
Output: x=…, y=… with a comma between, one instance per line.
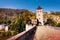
x=39, y=18
x=38, y=14
x=40, y=11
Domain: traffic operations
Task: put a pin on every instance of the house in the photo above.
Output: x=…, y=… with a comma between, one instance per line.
x=4, y=27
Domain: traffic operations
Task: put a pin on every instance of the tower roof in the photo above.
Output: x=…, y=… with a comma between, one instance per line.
x=39, y=7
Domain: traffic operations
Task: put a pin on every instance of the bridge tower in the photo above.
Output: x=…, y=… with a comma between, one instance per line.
x=39, y=16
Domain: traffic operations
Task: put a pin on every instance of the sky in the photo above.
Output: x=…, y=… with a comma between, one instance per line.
x=31, y=5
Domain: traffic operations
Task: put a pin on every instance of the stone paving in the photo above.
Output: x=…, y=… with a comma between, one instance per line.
x=47, y=33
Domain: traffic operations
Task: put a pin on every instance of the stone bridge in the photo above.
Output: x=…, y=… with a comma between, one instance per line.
x=39, y=33
x=26, y=35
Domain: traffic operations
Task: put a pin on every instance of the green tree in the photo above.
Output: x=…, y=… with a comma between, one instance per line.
x=20, y=21
x=18, y=24
x=55, y=13
x=51, y=22
x=58, y=25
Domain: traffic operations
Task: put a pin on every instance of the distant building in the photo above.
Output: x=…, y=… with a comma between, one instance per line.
x=4, y=27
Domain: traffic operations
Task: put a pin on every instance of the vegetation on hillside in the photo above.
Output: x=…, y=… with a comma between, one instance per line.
x=55, y=13
x=53, y=18
x=17, y=19
x=51, y=22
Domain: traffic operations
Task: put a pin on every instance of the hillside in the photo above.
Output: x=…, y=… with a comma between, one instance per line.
x=52, y=16
x=12, y=13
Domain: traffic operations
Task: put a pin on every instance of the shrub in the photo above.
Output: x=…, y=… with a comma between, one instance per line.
x=5, y=34
x=13, y=33
x=51, y=22
x=8, y=33
x=58, y=25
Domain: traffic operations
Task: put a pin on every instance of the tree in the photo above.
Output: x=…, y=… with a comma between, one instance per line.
x=18, y=24
x=58, y=25
x=55, y=13
x=51, y=22
x=20, y=21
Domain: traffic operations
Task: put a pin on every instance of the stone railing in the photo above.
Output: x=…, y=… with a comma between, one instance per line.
x=26, y=35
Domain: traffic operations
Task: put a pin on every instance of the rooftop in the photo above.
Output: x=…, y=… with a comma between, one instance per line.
x=39, y=7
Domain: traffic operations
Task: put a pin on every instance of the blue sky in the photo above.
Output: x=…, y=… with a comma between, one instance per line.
x=47, y=5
